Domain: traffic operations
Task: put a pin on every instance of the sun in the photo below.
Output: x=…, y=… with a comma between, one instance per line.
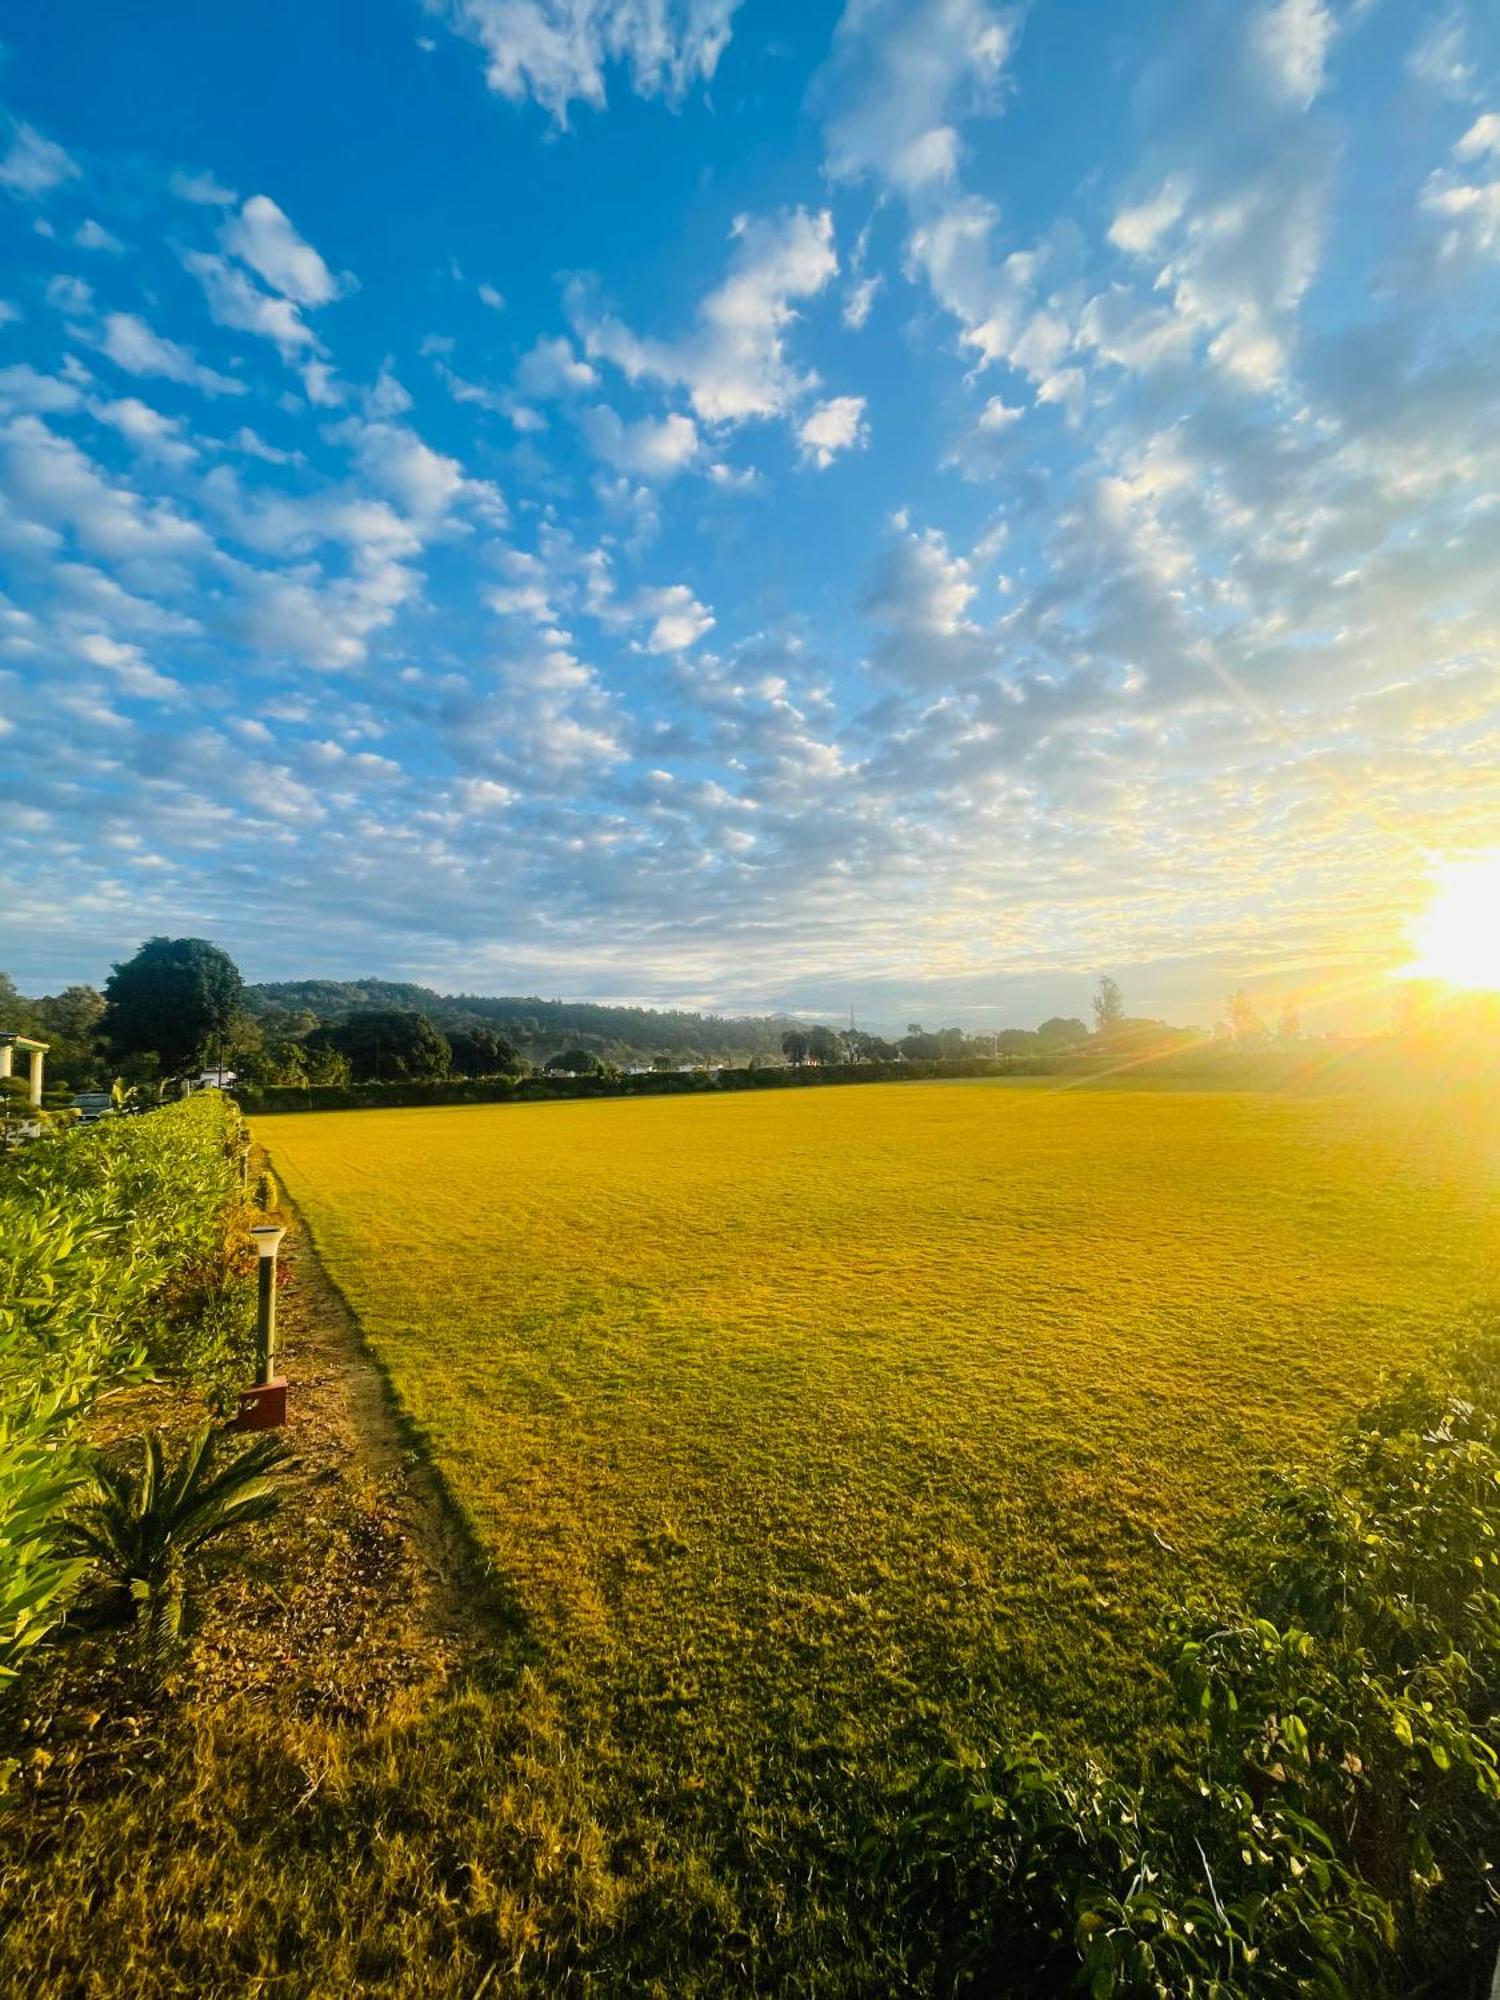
x=1457, y=937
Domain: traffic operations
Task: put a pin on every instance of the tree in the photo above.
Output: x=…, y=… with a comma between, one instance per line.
x=481, y=1052
x=172, y=1000
x=387, y=1045
x=794, y=1046
x=1063, y=1031
x=17, y=1014
x=823, y=1045
x=1109, y=1007
x=1245, y=1023
x=575, y=1062
x=69, y=1021
x=278, y=1061
x=1289, y=1025
x=1017, y=1042
x=326, y=1067
x=72, y=1015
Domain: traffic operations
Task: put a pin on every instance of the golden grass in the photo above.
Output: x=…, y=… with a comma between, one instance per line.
x=783, y=1413
x=813, y=1432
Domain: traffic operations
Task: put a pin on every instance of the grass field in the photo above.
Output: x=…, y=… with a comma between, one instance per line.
x=807, y=1429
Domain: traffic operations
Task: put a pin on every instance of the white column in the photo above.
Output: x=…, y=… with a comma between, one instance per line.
x=38, y=1057
x=5, y=1059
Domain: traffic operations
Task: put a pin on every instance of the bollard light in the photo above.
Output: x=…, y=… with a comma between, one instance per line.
x=263, y=1405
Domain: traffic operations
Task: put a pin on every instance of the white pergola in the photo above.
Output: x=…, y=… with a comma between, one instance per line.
x=37, y=1051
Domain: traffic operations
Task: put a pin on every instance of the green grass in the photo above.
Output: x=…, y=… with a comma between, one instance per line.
x=808, y=1435
x=812, y=1427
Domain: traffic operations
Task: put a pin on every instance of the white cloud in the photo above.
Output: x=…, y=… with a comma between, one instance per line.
x=1467, y=202
x=324, y=623
x=1138, y=229
x=137, y=348
x=920, y=599
x=551, y=368
x=1482, y=140
x=202, y=190
x=129, y=666
x=490, y=297
x=649, y=449
x=677, y=619
x=424, y=483
x=70, y=295
x=831, y=427
x=734, y=363
x=901, y=73
x=33, y=165
x=90, y=235
x=23, y=387
x=1132, y=335
x=53, y=482
x=557, y=50
x=1440, y=59
x=858, y=301
x=253, y=445
x=1292, y=38
x=262, y=237
x=152, y=434
x=234, y=302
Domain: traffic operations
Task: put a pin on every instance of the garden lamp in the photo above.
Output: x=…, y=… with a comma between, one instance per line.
x=263, y=1405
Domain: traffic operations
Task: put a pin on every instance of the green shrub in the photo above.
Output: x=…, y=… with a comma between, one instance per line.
x=1323, y=1819
x=144, y=1530
x=121, y=1250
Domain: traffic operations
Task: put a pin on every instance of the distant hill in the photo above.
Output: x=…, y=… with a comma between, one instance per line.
x=535, y=1024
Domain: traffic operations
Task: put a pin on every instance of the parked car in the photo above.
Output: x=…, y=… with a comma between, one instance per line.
x=93, y=1104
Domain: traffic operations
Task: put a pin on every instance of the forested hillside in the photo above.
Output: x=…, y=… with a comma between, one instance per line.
x=530, y=1021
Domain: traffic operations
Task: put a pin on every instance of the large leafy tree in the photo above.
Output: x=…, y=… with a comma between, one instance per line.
x=481, y=1052
x=173, y=1000
x=1063, y=1031
x=387, y=1045
x=575, y=1062
x=823, y=1045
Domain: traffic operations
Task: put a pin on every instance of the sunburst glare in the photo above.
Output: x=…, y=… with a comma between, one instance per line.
x=1457, y=938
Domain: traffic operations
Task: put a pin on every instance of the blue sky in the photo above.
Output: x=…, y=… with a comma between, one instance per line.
x=910, y=505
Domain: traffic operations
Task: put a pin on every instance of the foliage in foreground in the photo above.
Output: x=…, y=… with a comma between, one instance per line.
x=1322, y=1821
x=143, y=1530
x=434, y=1840
x=118, y=1252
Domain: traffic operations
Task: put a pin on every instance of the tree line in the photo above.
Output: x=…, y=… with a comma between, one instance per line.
x=180, y=1007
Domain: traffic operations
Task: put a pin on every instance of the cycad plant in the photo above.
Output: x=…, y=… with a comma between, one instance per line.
x=142, y=1528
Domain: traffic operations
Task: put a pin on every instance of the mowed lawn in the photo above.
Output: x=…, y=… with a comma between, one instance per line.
x=807, y=1427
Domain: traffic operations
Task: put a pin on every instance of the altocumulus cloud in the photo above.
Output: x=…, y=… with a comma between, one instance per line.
x=844, y=561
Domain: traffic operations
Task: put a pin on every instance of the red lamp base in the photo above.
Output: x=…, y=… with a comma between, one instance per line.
x=262, y=1406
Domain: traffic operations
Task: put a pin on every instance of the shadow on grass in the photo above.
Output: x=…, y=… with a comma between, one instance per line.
x=479, y=1596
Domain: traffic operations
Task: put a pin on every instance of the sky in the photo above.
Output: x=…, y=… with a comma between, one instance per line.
x=906, y=506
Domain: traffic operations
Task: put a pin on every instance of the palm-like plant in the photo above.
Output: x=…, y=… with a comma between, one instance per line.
x=142, y=1528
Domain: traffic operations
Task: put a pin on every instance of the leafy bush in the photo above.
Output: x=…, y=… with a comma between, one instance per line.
x=1322, y=1821
x=121, y=1249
